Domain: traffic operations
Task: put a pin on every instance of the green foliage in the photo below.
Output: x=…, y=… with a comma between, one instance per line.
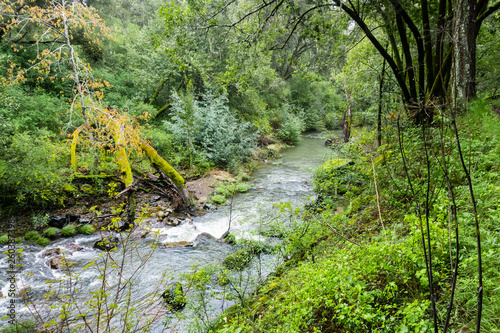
x=4, y=239
x=291, y=129
x=238, y=260
x=242, y=187
x=31, y=236
x=68, y=231
x=28, y=326
x=42, y=241
x=51, y=233
x=32, y=170
x=337, y=177
x=40, y=220
x=86, y=229
x=218, y=199
x=216, y=134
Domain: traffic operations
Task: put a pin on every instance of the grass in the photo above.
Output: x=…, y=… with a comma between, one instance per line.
x=31, y=236
x=68, y=231
x=86, y=229
x=51, y=232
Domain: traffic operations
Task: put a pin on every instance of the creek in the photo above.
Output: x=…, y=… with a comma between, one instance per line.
x=288, y=178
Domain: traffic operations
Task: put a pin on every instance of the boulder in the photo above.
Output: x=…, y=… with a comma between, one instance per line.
x=57, y=263
x=74, y=247
x=51, y=252
x=107, y=243
x=57, y=221
x=179, y=244
x=208, y=206
x=84, y=220
x=174, y=296
x=72, y=218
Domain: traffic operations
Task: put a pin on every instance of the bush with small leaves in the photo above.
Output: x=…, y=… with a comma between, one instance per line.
x=86, y=229
x=31, y=236
x=51, y=232
x=68, y=231
x=218, y=199
x=42, y=241
x=242, y=187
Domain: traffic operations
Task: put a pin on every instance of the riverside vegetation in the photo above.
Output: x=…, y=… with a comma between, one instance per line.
x=109, y=101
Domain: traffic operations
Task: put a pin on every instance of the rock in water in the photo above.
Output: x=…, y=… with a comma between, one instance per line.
x=107, y=243
x=74, y=247
x=174, y=296
x=57, y=263
x=51, y=252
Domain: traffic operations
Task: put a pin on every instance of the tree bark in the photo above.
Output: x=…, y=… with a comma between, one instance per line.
x=464, y=62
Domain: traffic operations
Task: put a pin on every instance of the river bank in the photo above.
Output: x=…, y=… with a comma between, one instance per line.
x=289, y=179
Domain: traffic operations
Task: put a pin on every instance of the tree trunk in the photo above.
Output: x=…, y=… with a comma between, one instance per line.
x=464, y=62
x=379, y=115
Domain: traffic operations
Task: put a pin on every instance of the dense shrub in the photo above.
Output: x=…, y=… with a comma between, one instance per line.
x=291, y=129
x=32, y=170
x=215, y=133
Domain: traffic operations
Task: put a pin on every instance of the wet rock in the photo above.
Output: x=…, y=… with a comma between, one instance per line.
x=51, y=252
x=204, y=237
x=174, y=296
x=84, y=220
x=208, y=206
x=172, y=221
x=73, y=247
x=156, y=198
x=57, y=263
x=140, y=233
x=179, y=244
x=229, y=238
x=72, y=218
x=57, y=221
x=152, y=204
x=106, y=243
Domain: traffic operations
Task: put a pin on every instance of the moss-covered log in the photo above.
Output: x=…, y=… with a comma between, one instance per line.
x=122, y=158
x=167, y=169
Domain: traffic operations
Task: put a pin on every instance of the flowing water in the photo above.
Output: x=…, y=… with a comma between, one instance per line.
x=286, y=179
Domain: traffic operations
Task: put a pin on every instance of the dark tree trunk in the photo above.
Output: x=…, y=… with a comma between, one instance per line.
x=379, y=115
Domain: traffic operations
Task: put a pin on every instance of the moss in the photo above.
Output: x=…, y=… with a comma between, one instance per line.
x=31, y=236
x=174, y=296
x=42, y=241
x=68, y=231
x=86, y=229
x=122, y=157
x=162, y=164
x=4, y=239
x=238, y=260
x=51, y=233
